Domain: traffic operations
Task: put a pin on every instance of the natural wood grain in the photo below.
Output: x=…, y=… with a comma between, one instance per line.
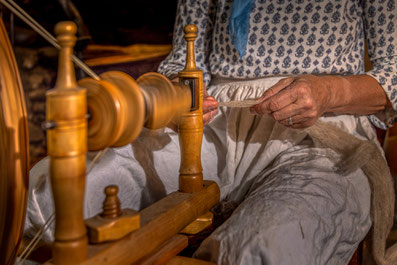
x=179, y=260
x=67, y=146
x=106, y=107
x=14, y=153
x=159, y=222
x=119, y=106
x=191, y=123
x=165, y=101
x=166, y=251
x=134, y=112
x=199, y=224
x=113, y=223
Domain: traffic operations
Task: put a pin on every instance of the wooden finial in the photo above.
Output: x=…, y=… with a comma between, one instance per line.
x=190, y=36
x=113, y=223
x=111, y=205
x=66, y=36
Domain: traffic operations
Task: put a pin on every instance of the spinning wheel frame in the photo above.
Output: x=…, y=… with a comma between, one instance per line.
x=14, y=141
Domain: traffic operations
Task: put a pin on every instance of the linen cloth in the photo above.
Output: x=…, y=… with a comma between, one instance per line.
x=295, y=208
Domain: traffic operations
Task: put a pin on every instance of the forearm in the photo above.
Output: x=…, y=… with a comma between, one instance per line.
x=299, y=101
x=356, y=94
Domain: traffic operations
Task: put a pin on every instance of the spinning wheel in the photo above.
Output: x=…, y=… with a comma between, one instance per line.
x=14, y=152
x=118, y=108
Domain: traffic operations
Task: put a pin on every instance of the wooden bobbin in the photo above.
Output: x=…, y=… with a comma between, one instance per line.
x=105, y=123
x=165, y=101
x=135, y=111
x=66, y=108
x=116, y=108
x=119, y=106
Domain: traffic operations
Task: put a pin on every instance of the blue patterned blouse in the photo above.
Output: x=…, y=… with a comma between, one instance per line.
x=293, y=37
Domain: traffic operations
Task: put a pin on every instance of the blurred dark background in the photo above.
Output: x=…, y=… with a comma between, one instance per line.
x=103, y=23
x=116, y=22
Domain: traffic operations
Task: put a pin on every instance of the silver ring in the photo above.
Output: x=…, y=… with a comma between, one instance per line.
x=290, y=123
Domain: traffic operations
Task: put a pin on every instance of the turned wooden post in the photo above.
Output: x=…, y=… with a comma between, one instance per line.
x=67, y=145
x=191, y=123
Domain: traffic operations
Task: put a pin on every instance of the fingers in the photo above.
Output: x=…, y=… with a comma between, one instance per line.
x=210, y=106
x=277, y=102
x=288, y=111
x=297, y=121
x=209, y=116
x=301, y=116
x=294, y=102
x=280, y=85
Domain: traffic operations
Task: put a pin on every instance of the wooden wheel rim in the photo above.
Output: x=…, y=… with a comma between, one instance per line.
x=14, y=150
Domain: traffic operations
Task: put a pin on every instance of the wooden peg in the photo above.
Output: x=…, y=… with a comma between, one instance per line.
x=67, y=145
x=111, y=205
x=113, y=223
x=191, y=123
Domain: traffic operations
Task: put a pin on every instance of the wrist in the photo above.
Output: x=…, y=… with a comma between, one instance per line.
x=339, y=93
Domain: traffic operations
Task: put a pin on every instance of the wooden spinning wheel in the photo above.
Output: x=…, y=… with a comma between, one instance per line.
x=118, y=107
x=14, y=152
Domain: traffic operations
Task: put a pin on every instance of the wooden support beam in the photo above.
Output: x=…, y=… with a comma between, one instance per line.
x=179, y=260
x=166, y=251
x=159, y=222
x=200, y=224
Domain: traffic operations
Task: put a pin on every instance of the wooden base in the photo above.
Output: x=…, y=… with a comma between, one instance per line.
x=159, y=222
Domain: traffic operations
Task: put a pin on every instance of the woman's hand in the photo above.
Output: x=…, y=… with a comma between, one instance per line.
x=296, y=102
x=210, y=107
